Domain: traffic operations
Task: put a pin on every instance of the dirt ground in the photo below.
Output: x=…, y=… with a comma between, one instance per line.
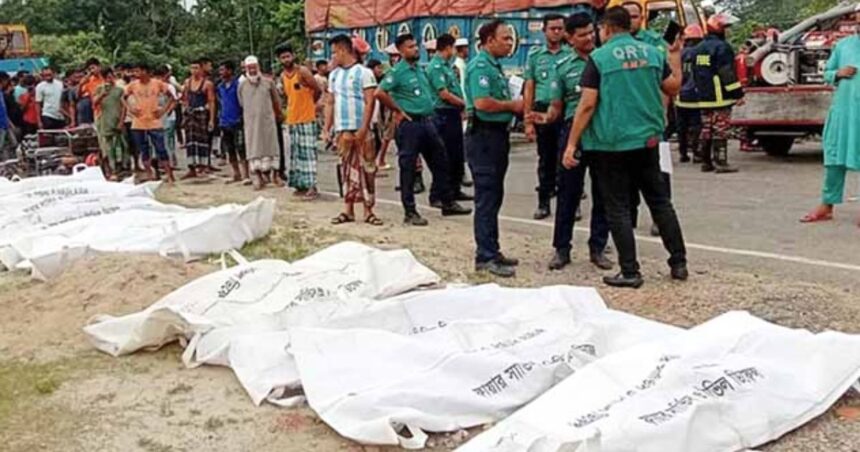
x=58, y=394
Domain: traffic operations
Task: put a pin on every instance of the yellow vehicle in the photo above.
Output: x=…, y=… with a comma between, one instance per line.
x=14, y=41
x=684, y=12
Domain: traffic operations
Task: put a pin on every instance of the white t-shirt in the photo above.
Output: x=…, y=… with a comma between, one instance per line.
x=347, y=87
x=50, y=95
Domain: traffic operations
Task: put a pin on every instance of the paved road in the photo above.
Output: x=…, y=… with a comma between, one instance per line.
x=747, y=221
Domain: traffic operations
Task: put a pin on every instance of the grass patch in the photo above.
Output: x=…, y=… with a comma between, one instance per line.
x=289, y=243
x=21, y=383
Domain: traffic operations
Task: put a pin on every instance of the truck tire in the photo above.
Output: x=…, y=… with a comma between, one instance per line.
x=776, y=146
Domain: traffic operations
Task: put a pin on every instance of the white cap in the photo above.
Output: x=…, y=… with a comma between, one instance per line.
x=461, y=42
x=251, y=60
x=430, y=45
x=391, y=50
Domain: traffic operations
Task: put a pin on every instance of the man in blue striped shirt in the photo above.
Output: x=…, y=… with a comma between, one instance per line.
x=348, y=113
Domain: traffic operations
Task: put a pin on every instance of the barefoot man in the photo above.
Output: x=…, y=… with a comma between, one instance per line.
x=842, y=130
x=261, y=108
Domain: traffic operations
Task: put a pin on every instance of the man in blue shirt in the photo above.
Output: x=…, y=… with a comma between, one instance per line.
x=230, y=121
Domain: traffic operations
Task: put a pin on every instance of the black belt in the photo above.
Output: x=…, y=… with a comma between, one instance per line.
x=478, y=124
x=418, y=118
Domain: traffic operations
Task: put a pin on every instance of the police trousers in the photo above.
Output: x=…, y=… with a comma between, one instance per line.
x=488, y=148
x=547, y=147
x=450, y=126
x=420, y=137
x=571, y=184
x=617, y=174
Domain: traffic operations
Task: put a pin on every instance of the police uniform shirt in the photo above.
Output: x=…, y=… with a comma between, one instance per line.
x=484, y=78
x=441, y=75
x=408, y=86
x=541, y=68
x=569, y=71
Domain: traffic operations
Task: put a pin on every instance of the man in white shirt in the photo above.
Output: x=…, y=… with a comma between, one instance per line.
x=49, y=97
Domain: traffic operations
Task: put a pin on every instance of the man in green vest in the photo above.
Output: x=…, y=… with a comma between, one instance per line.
x=449, y=105
x=490, y=111
x=580, y=34
x=619, y=123
x=407, y=92
x=541, y=81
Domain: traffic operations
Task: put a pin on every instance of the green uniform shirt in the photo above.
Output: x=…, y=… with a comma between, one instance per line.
x=484, y=78
x=649, y=37
x=568, y=73
x=442, y=76
x=629, y=111
x=540, y=67
x=410, y=89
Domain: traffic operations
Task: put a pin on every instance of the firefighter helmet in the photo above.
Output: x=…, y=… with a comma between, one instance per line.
x=719, y=22
x=694, y=32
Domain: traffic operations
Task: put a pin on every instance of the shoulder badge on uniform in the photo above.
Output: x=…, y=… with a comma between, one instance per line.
x=484, y=81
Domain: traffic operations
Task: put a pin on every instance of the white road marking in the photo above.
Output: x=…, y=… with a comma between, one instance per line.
x=694, y=246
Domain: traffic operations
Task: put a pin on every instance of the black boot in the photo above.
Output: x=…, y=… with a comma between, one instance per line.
x=707, y=156
x=624, y=281
x=721, y=157
x=560, y=260
x=694, y=141
x=419, y=187
x=684, y=145
x=454, y=209
x=543, y=211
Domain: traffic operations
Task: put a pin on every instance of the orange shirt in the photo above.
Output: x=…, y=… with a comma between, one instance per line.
x=301, y=107
x=143, y=103
x=89, y=87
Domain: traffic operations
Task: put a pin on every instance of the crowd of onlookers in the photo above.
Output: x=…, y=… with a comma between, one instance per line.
x=149, y=124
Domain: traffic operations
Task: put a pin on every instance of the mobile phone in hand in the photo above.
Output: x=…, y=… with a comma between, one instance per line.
x=673, y=31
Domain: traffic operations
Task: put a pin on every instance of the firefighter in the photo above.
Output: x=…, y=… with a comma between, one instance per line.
x=718, y=89
x=624, y=83
x=407, y=92
x=540, y=83
x=490, y=110
x=689, y=116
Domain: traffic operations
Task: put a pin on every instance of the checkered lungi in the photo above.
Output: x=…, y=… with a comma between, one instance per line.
x=303, y=156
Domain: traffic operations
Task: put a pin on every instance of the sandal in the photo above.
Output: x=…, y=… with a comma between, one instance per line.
x=817, y=216
x=373, y=220
x=342, y=219
x=310, y=195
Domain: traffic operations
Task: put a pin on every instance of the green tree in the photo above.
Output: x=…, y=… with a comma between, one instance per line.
x=72, y=50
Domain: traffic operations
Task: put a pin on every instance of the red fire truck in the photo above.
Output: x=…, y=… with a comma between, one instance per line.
x=786, y=97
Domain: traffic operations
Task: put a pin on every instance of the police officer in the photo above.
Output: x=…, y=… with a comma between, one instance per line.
x=718, y=90
x=406, y=91
x=619, y=121
x=636, y=9
x=449, y=104
x=490, y=111
x=689, y=115
x=580, y=35
x=540, y=83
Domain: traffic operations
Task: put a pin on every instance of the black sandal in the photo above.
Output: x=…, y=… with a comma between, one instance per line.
x=342, y=219
x=373, y=220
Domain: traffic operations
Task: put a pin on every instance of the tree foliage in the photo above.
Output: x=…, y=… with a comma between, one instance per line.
x=781, y=14
x=157, y=31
